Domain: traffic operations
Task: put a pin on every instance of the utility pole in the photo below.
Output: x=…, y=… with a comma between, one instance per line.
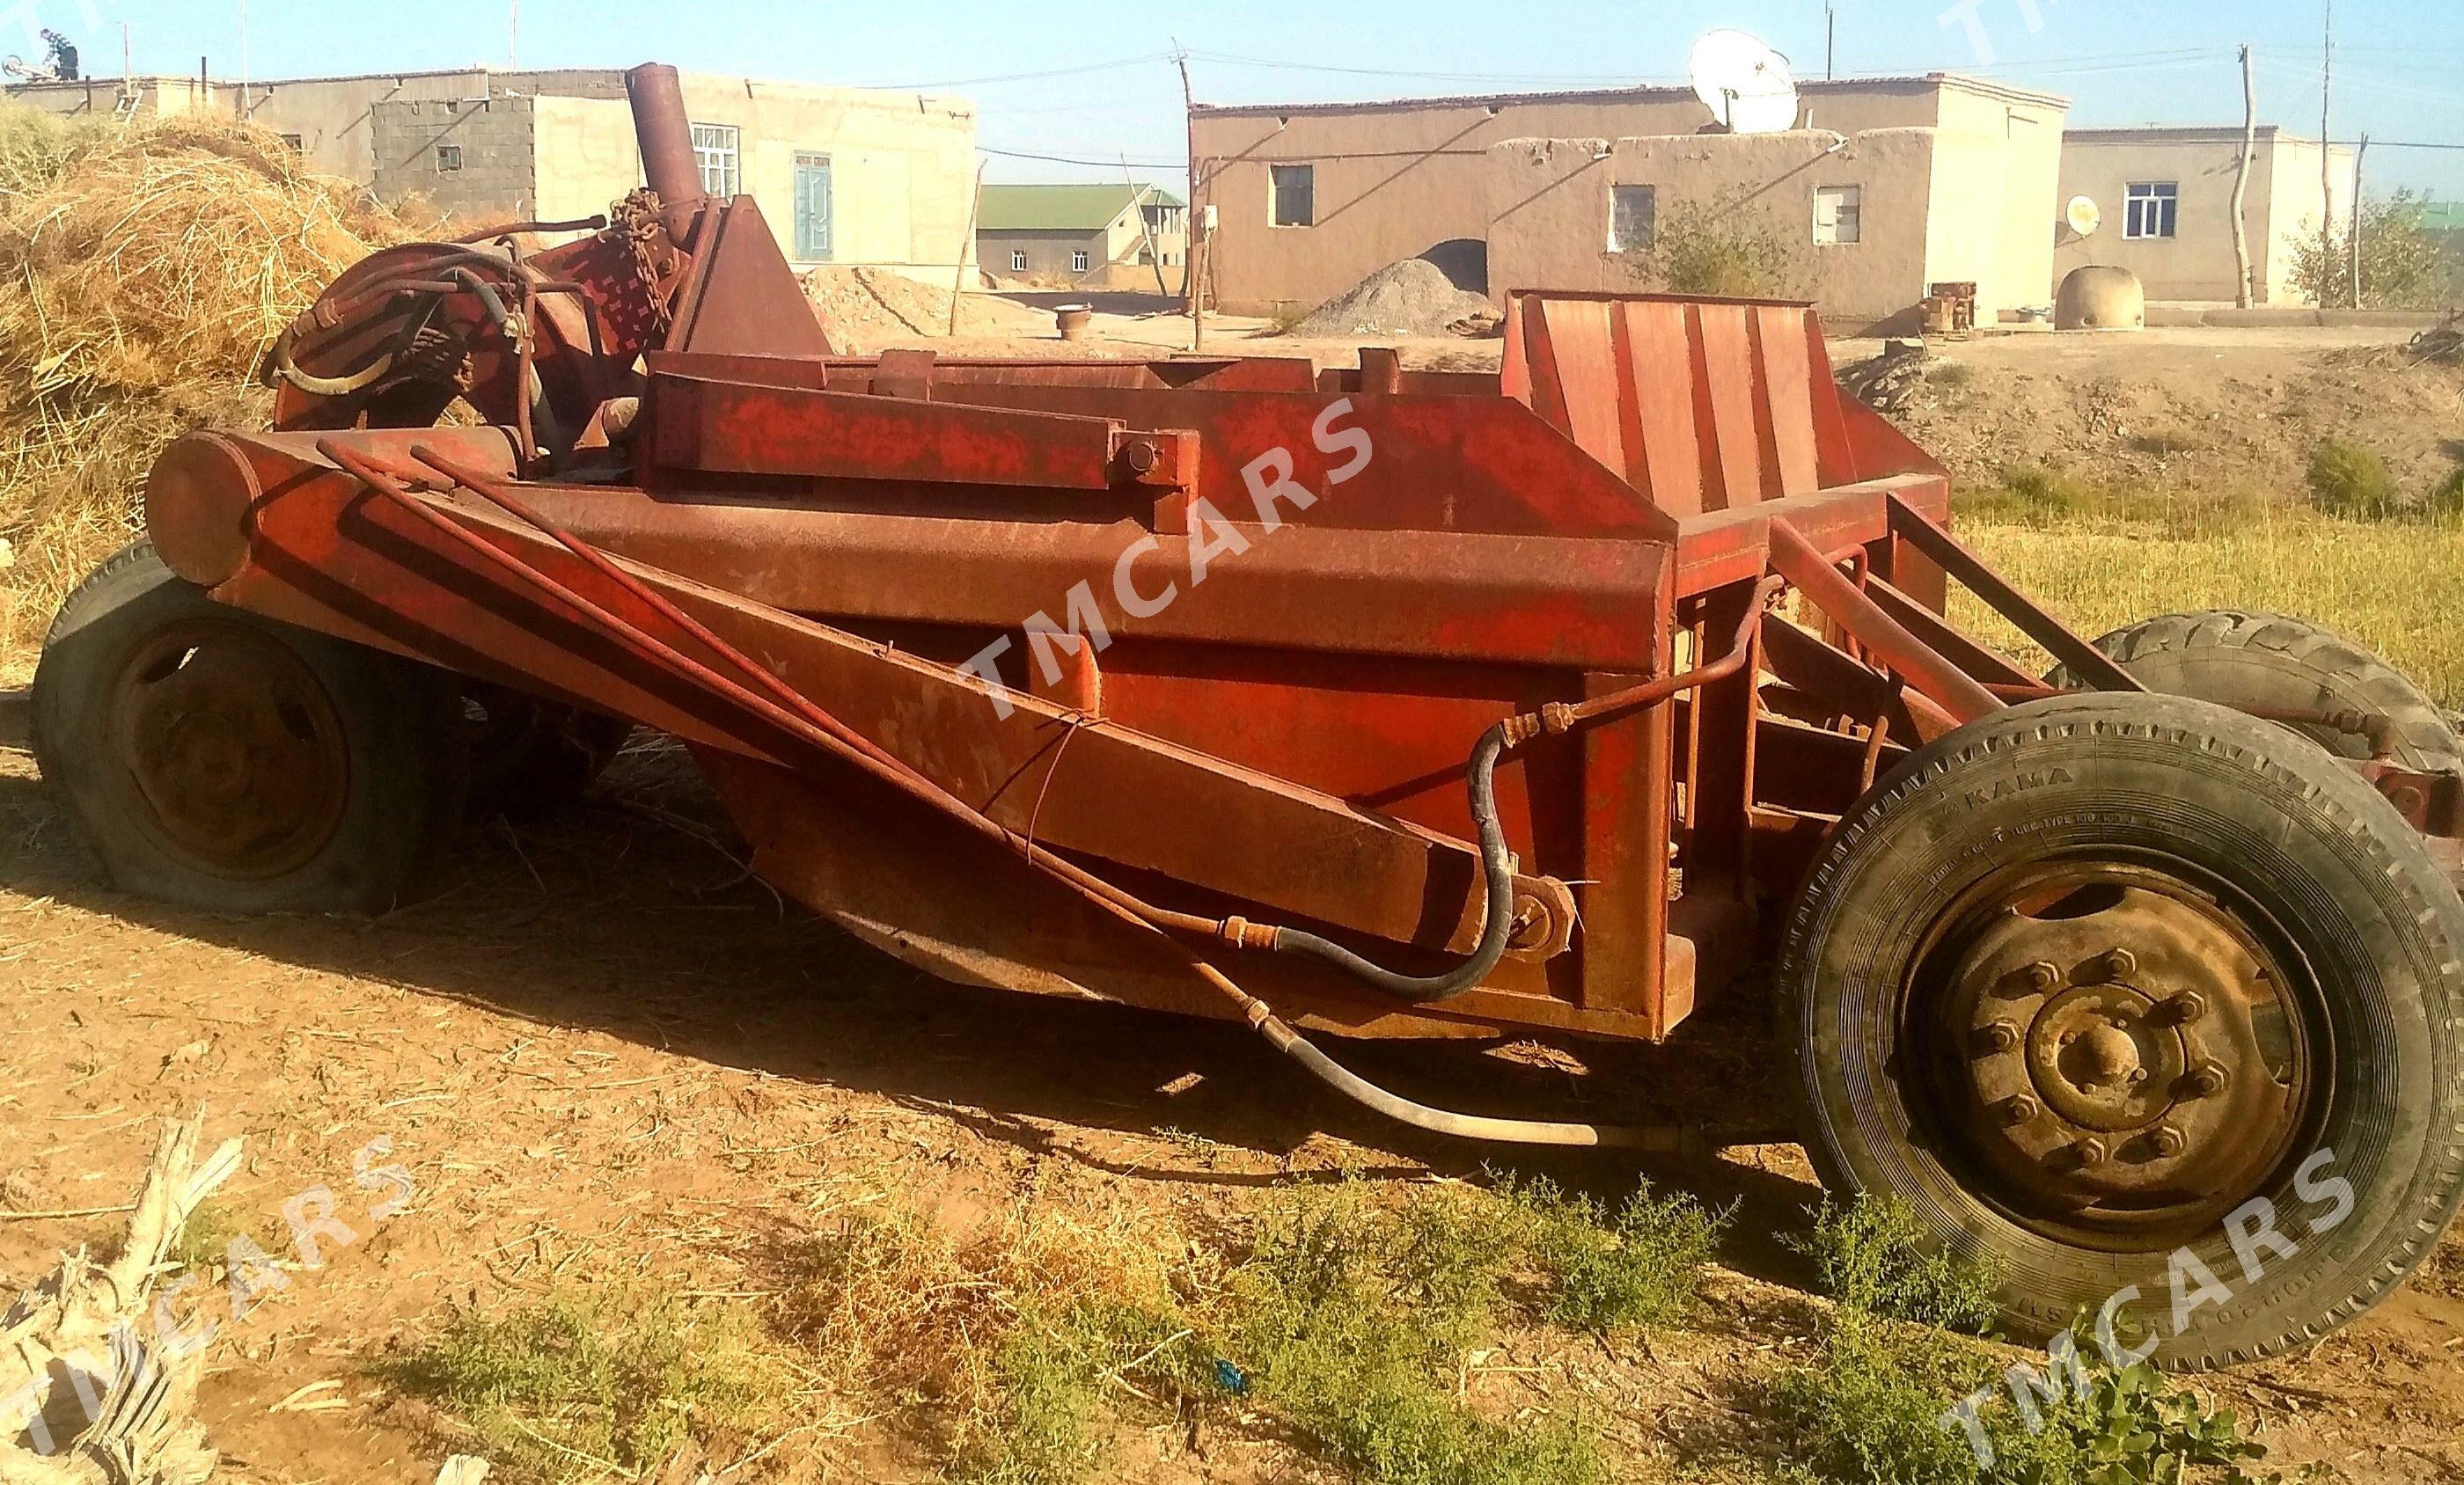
x=2360, y=155
x=2241, y=178
x=1198, y=246
x=1830, y=42
x=2326, y=151
x=514, y=38
x=244, y=109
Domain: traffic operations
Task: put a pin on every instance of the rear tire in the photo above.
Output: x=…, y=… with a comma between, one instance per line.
x=1969, y=1041
x=222, y=760
x=2275, y=662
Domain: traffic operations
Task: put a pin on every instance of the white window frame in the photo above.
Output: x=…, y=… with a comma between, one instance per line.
x=1081, y=261
x=1838, y=228
x=1276, y=175
x=1649, y=194
x=1018, y=260
x=718, y=148
x=2144, y=199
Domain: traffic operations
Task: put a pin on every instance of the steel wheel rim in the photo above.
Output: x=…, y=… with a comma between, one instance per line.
x=231, y=748
x=2119, y=1105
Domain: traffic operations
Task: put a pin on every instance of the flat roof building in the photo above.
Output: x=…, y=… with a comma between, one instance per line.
x=1889, y=187
x=844, y=175
x=2165, y=196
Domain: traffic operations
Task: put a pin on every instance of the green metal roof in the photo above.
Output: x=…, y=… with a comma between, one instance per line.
x=2443, y=217
x=1060, y=208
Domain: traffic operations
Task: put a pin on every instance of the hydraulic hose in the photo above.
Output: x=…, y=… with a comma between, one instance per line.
x=1497, y=872
x=1497, y=863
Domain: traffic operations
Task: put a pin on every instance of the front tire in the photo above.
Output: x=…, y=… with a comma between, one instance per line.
x=2095, y=984
x=218, y=759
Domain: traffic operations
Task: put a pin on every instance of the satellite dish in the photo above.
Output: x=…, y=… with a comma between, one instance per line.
x=2084, y=216
x=1745, y=83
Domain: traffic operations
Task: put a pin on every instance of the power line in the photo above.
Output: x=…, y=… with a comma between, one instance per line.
x=1024, y=76
x=1114, y=163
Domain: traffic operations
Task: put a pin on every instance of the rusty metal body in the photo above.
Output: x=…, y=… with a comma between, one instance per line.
x=1303, y=595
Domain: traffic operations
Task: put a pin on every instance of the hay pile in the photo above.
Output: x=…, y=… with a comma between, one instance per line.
x=144, y=268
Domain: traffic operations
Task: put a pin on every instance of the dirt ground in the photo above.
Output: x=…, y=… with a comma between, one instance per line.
x=607, y=1052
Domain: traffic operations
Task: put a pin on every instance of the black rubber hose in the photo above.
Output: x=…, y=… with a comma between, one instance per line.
x=1497, y=867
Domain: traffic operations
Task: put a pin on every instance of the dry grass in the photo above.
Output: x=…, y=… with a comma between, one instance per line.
x=144, y=268
x=2393, y=587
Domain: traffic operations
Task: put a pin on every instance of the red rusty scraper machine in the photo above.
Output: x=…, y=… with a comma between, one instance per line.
x=2160, y=955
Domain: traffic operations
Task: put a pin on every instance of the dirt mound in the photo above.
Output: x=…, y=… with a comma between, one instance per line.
x=1412, y=297
x=866, y=309
x=144, y=268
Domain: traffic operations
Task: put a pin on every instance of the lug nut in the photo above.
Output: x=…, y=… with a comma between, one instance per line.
x=2167, y=1142
x=2043, y=976
x=2186, y=1007
x=1999, y=1037
x=2088, y=1153
x=2205, y=1081
x=2021, y=1108
x=2118, y=965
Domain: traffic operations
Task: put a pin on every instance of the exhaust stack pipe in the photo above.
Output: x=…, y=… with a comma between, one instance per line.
x=666, y=134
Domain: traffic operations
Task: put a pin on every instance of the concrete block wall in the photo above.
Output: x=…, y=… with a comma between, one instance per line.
x=497, y=137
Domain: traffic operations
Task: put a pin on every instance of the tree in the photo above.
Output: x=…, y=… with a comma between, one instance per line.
x=2402, y=265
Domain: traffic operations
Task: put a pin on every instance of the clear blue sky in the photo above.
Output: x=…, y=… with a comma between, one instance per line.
x=2399, y=63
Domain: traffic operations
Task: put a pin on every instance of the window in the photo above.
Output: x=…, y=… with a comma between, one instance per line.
x=1081, y=261
x=1839, y=215
x=718, y=148
x=814, y=207
x=294, y=143
x=1294, y=190
x=2151, y=209
x=1018, y=260
x=448, y=159
x=1634, y=217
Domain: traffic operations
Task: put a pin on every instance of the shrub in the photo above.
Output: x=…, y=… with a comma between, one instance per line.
x=2351, y=481
x=1724, y=254
x=2403, y=265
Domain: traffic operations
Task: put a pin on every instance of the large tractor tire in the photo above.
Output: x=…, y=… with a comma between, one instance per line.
x=2153, y=1009
x=2273, y=661
x=214, y=758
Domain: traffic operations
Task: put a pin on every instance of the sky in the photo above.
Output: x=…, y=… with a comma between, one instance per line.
x=1091, y=82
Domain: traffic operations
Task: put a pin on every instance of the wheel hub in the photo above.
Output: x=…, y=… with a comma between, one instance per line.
x=2123, y=1058
x=235, y=750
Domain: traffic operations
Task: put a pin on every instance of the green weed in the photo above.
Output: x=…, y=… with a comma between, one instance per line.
x=1612, y=1275
x=1871, y=1254
x=2353, y=482
x=576, y=1387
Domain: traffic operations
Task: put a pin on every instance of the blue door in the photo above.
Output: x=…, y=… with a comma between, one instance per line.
x=812, y=209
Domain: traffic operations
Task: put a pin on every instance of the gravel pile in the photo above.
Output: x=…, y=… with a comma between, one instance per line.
x=1412, y=297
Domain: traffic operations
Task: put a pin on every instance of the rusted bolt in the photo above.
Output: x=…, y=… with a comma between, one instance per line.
x=1999, y=1037
x=2186, y=1007
x=2167, y=1142
x=2118, y=964
x=2089, y=1153
x=2021, y=1108
x=2206, y=1080
x=2043, y=976
x=1142, y=455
